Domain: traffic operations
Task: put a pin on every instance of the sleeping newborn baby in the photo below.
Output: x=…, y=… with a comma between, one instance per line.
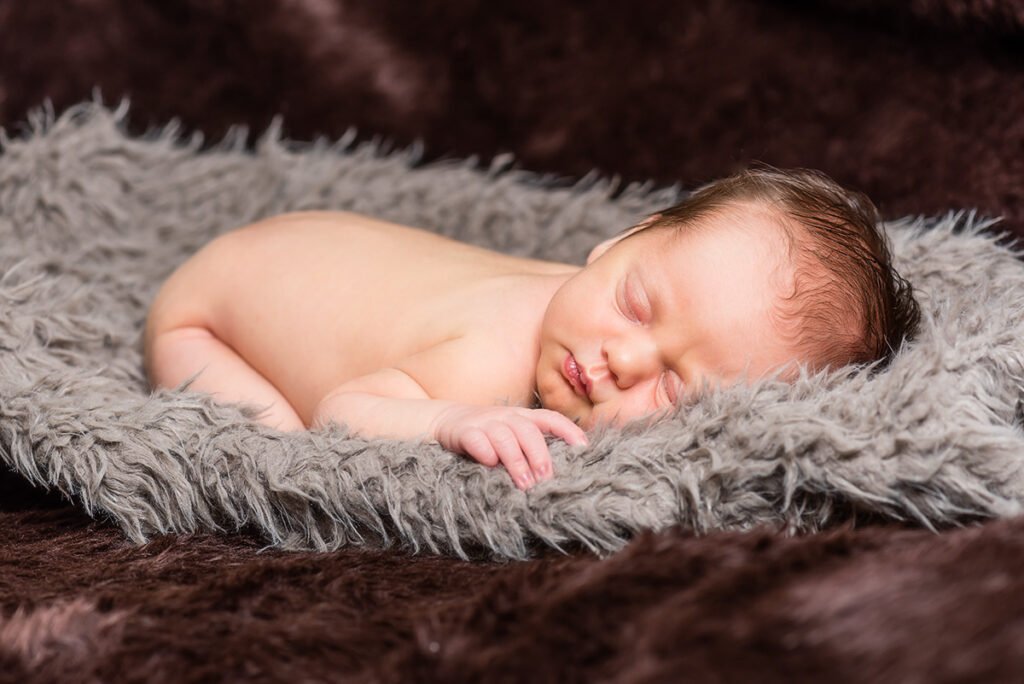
x=323, y=317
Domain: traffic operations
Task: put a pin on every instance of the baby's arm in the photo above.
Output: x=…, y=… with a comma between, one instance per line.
x=390, y=403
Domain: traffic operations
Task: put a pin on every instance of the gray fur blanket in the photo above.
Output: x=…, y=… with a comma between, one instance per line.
x=92, y=220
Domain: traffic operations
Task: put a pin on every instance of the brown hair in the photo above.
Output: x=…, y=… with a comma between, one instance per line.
x=843, y=261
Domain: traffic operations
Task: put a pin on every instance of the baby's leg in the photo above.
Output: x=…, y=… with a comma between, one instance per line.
x=177, y=354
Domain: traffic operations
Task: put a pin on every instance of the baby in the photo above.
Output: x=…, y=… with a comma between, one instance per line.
x=396, y=332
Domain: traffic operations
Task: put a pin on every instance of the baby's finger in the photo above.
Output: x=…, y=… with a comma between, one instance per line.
x=477, y=446
x=532, y=443
x=560, y=426
x=506, y=444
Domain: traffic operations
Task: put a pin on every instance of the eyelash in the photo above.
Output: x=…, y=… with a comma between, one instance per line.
x=663, y=382
x=633, y=312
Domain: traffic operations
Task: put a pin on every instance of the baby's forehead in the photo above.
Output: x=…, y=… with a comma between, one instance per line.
x=754, y=264
x=731, y=231
x=740, y=268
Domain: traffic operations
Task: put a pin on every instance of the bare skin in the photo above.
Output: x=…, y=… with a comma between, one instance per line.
x=396, y=332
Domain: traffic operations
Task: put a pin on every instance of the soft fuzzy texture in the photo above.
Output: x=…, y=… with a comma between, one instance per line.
x=880, y=604
x=922, y=113
x=103, y=218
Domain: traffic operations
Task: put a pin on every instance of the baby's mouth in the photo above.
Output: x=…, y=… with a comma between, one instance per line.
x=576, y=376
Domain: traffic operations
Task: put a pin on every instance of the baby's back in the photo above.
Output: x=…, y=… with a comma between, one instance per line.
x=311, y=300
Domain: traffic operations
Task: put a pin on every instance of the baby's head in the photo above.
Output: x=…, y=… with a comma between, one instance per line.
x=753, y=274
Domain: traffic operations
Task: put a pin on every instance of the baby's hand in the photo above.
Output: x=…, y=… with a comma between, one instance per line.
x=507, y=434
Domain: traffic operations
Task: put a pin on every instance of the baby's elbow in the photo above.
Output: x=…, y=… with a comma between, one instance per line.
x=324, y=413
x=337, y=407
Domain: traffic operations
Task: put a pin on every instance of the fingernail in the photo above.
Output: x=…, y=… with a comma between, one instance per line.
x=526, y=480
x=543, y=470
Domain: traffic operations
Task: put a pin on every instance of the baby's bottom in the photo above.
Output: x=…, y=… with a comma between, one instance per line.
x=176, y=355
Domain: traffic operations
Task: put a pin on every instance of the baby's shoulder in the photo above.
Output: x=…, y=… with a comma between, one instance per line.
x=478, y=367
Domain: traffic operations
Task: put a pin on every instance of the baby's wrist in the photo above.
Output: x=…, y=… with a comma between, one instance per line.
x=436, y=427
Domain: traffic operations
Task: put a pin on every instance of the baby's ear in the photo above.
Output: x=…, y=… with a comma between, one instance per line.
x=603, y=247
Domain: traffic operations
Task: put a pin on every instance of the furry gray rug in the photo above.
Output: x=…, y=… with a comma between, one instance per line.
x=93, y=220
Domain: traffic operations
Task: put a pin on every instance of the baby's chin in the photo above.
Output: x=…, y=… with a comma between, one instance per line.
x=570, y=412
x=593, y=419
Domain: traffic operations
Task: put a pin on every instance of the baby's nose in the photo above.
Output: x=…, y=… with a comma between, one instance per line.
x=631, y=359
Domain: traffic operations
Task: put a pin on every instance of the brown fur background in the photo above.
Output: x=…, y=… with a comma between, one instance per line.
x=875, y=604
x=919, y=104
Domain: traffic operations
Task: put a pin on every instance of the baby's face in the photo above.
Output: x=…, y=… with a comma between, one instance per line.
x=653, y=317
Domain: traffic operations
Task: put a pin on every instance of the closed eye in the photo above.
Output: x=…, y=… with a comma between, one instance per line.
x=624, y=305
x=670, y=386
x=634, y=304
